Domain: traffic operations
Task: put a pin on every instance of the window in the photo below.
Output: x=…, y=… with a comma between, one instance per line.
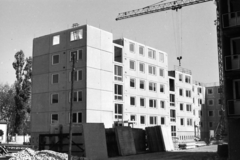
x=76, y=35
x=153, y=103
x=182, y=121
x=199, y=102
x=77, y=96
x=219, y=90
x=162, y=88
x=55, y=59
x=78, y=55
x=180, y=76
x=161, y=57
x=210, y=102
x=142, y=84
x=180, y=92
x=55, y=78
x=188, y=93
x=219, y=101
x=173, y=131
x=142, y=102
x=152, y=86
x=194, y=112
x=118, y=92
x=161, y=72
x=151, y=54
x=142, y=120
x=77, y=117
x=152, y=70
x=181, y=106
x=152, y=120
x=193, y=88
x=132, y=65
x=172, y=115
x=132, y=101
x=187, y=79
x=189, y=108
x=133, y=118
x=132, y=82
x=199, y=113
x=131, y=46
x=118, y=73
x=54, y=98
x=141, y=50
x=189, y=121
x=162, y=120
x=210, y=113
x=199, y=90
x=172, y=100
x=117, y=54
x=141, y=67
x=193, y=100
x=77, y=76
x=56, y=40
x=162, y=104
x=201, y=124
x=219, y=113
x=54, y=119
x=210, y=124
x=118, y=112
x=210, y=91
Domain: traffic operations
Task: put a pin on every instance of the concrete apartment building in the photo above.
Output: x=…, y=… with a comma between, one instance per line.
x=229, y=19
x=116, y=82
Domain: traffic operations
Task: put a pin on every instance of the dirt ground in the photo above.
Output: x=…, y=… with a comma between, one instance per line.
x=199, y=153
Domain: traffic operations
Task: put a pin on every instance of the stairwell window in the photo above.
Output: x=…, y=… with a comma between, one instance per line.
x=118, y=54
x=56, y=40
x=54, y=119
x=76, y=35
x=118, y=92
x=172, y=115
x=172, y=100
x=118, y=112
x=118, y=75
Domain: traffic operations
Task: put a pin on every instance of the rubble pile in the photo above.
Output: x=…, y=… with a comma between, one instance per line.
x=29, y=154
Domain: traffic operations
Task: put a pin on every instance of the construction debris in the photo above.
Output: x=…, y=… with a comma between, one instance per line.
x=30, y=154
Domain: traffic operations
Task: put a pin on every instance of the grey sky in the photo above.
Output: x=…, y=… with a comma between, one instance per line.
x=23, y=20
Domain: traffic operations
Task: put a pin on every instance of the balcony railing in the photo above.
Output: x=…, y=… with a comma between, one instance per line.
x=231, y=19
x=232, y=62
x=234, y=107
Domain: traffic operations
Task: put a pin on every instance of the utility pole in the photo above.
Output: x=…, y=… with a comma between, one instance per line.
x=71, y=117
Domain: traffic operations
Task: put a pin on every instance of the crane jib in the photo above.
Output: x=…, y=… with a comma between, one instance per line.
x=174, y=5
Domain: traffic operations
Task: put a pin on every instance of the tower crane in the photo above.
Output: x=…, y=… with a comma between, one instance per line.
x=176, y=5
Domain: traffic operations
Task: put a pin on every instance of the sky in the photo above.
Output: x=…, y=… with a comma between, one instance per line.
x=189, y=32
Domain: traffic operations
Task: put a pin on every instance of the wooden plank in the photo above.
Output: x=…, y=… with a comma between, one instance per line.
x=125, y=141
x=167, y=139
x=139, y=140
x=95, y=141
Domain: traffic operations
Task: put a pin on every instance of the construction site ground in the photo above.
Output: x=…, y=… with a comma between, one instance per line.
x=199, y=153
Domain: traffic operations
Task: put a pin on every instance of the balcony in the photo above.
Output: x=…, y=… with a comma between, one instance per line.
x=231, y=19
x=234, y=107
x=232, y=62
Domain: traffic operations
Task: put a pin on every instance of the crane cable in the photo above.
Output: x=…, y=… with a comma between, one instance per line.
x=177, y=31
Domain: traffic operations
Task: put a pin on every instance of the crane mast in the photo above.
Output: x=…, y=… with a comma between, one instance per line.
x=174, y=5
x=178, y=4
